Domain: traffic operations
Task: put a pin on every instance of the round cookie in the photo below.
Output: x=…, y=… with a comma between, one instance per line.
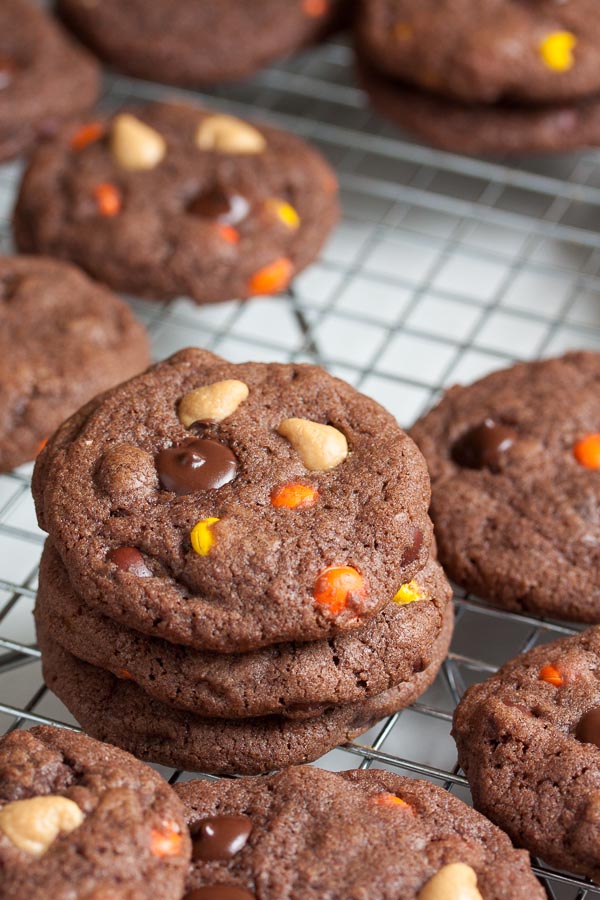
x=82, y=819
x=171, y=199
x=45, y=78
x=294, y=680
x=63, y=339
x=195, y=42
x=529, y=742
x=314, y=534
x=305, y=834
x=515, y=498
x=515, y=50
x=101, y=703
x=480, y=129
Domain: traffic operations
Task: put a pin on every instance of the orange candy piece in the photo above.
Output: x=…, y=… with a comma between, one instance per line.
x=41, y=446
x=273, y=278
x=335, y=587
x=315, y=8
x=587, y=451
x=386, y=799
x=167, y=842
x=87, y=134
x=108, y=198
x=229, y=234
x=551, y=675
x=294, y=496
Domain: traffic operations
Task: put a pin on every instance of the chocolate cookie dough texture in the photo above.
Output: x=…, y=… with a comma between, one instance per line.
x=529, y=742
x=240, y=562
x=45, y=77
x=170, y=200
x=305, y=834
x=514, y=462
x=195, y=42
x=81, y=819
x=63, y=339
x=518, y=76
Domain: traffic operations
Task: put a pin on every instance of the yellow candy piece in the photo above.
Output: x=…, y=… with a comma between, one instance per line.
x=285, y=212
x=408, y=593
x=201, y=536
x=557, y=50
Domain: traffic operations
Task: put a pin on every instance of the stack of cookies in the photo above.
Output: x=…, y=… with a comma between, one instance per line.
x=240, y=572
x=514, y=77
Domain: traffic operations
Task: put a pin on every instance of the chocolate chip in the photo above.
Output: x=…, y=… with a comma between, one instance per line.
x=484, y=446
x=198, y=464
x=220, y=892
x=224, y=208
x=221, y=837
x=128, y=559
x=415, y=548
x=588, y=727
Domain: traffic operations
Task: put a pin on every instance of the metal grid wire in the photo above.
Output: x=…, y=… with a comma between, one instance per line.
x=443, y=269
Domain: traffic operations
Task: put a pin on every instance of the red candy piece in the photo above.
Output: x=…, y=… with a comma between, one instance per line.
x=294, y=496
x=314, y=8
x=337, y=586
x=108, y=199
x=551, y=675
x=587, y=451
x=387, y=799
x=87, y=134
x=167, y=842
x=128, y=559
x=229, y=234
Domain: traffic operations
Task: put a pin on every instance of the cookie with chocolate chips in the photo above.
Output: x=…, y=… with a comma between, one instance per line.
x=292, y=680
x=323, y=521
x=171, y=199
x=514, y=461
x=81, y=819
x=306, y=833
x=63, y=339
x=45, y=77
x=101, y=703
x=195, y=42
x=529, y=742
x=514, y=51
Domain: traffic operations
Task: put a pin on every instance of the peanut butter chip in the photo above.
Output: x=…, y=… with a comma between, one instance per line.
x=320, y=447
x=33, y=824
x=134, y=145
x=213, y=402
x=456, y=881
x=226, y=134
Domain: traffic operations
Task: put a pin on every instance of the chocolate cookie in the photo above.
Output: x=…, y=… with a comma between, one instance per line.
x=514, y=462
x=480, y=128
x=529, y=743
x=63, y=339
x=294, y=680
x=229, y=507
x=306, y=834
x=81, y=819
x=102, y=704
x=195, y=42
x=172, y=199
x=510, y=50
x=45, y=78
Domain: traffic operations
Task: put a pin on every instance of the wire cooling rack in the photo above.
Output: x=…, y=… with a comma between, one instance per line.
x=443, y=269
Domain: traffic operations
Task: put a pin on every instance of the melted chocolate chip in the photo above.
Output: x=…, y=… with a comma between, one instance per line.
x=128, y=559
x=226, y=209
x=220, y=892
x=588, y=727
x=484, y=445
x=198, y=464
x=221, y=837
x=415, y=548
